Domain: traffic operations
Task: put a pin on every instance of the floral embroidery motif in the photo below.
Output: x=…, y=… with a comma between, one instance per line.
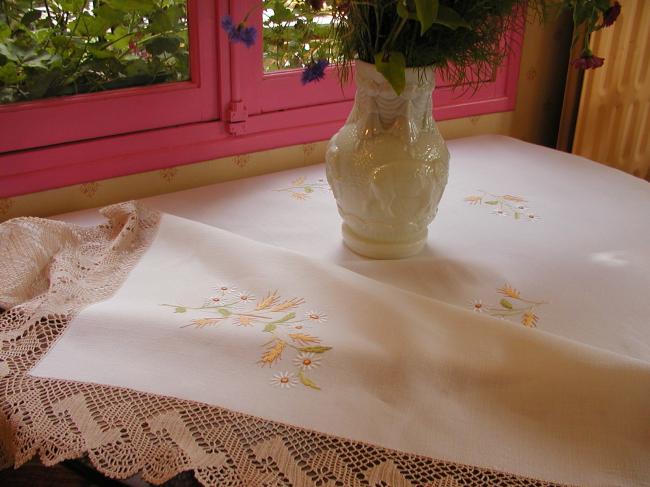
x=285, y=380
x=301, y=189
x=89, y=189
x=504, y=205
x=168, y=174
x=275, y=316
x=242, y=160
x=511, y=305
x=5, y=205
x=308, y=149
x=531, y=74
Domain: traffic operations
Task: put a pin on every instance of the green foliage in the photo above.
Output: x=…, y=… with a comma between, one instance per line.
x=294, y=34
x=459, y=37
x=464, y=39
x=51, y=48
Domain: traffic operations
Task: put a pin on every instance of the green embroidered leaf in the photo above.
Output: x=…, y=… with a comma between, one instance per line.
x=269, y=328
x=427, y=11
x=492, y=202
x=224, y=312
x=307, y=381
x=180, y=309
x=288, y=317
x=317, y=349
x=505, y=303
x=517, y=215
x=393, y=69
x=308, y=189
x=450, y=18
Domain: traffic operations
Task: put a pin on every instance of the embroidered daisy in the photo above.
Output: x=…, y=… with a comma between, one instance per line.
x=284, y=380
x=245, y=297
x=306, y=360
x=218, y=300
x=521, y=207
x=532, y=217
x=316, y=316
x=500, y=212
x=477, y=306
x=299, y=196
x=225, y=289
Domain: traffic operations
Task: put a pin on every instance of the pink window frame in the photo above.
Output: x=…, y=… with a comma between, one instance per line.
x=229, y=107
x=72, y=118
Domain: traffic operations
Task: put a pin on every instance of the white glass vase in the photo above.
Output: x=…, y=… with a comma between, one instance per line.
x=388, y=165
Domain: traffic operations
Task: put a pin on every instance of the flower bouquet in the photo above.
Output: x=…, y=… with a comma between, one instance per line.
x=463, y=39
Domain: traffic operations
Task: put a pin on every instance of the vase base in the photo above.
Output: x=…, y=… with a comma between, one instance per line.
x=382, y=250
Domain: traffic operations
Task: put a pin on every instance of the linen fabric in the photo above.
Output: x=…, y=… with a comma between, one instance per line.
x=388, y=367
x=517, y=342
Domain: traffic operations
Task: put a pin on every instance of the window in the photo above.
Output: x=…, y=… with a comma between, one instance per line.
x=235, y=100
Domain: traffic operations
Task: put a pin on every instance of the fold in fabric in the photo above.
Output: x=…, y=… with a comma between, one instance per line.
x=215, y=318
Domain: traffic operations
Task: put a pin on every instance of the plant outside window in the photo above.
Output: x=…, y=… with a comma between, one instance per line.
x=51, y=48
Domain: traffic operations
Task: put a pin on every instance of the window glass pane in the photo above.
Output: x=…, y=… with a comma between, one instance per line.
x=65, y=47
x=293, y=34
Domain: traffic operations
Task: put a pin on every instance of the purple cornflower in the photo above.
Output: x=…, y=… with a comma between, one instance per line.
x=314, y=71
x=611, y=14
x=588, y=61
x=239, y=32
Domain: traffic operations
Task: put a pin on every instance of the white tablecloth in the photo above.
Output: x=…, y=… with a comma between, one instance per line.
x=518, y=340
x=580, y=247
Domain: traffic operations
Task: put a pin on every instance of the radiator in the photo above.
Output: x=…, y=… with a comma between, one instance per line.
x=613, y=125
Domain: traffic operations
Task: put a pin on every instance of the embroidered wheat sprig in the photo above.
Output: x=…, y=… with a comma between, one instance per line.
x=291, y=303
x=303, y=339
x=203, y=322
x=268, y=301
x=270, y=356
x=529, y=319
x=516, y=199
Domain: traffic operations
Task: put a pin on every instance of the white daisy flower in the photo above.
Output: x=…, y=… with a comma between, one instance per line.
x=307, y=360
x=214, y=301
x=532, y=217
x=246, y=297
x=500, y=212
x=477, y=306
x=284, y=380
x=316, y=316
x=224, y=289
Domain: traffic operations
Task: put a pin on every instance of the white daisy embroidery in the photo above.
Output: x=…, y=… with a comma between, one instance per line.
x=224, y=289
x=477, y=305
x=306, y=361
x=316, y=316
x=284, y=380
x=246, y=297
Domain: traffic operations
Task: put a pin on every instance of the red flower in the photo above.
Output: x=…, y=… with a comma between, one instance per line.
x=611, y=14
x=588, y=61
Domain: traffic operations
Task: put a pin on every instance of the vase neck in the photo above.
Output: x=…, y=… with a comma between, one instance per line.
x=378, y=109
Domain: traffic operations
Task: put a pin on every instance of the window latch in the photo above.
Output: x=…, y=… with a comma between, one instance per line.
x=237, y=116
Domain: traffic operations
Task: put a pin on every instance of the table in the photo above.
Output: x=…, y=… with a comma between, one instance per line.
x=523, y=326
